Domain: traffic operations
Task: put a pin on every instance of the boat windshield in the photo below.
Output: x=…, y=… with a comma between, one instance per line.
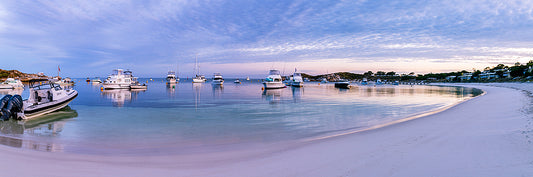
x=274, y=72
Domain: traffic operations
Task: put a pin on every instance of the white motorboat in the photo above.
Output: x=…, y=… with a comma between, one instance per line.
x=342, y=84
x=297, y=80
x=135, y=85
x=64, y=82
x=119, y=79
x=247, y=78
x=11, y=83
x=172, y=78
x=273, y=81
x=45, y=97
x=217, y=79
x=97, y=81
x=324, y=80
x=237, y=81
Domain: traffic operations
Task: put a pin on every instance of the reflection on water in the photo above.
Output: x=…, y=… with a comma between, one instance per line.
x=173, y=121
x=121, y=96
x=218, y=90
x=49, y=125
x=272, y=95
x=11, y=91
x=297, y=93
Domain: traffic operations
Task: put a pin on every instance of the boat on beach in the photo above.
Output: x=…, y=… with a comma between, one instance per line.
x=45, y=97
x=273, y=81
x=11, y=83
x=217, y=79
x=342, y=83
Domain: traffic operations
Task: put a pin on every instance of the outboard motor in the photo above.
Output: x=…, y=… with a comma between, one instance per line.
x=3, y=103
x=14, y=105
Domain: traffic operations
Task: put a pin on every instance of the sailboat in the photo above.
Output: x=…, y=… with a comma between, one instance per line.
x=198, y=78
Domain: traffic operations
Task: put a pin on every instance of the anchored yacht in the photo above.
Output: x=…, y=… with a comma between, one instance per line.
x=11, y=83
x=120, y=79
x=217, y=79
x=273, y=81
x=297, y=80
x=172, y=78
x=45, y=97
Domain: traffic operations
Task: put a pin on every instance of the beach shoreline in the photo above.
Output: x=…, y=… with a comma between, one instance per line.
x=486, y=136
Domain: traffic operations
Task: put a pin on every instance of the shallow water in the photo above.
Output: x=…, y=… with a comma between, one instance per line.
x=186, y=117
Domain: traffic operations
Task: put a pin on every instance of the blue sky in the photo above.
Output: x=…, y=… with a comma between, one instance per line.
x=247, y=38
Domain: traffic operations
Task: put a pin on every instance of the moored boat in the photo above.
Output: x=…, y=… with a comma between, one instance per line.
x=11, y=83
x=172, y=78
x=237, y=81
x=297, y=80
x=45, y=97
x=273, y=81
x=217, y=79
x=342, y=84
x=119, y=79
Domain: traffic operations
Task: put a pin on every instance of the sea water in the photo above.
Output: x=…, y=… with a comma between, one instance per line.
x=188, y=117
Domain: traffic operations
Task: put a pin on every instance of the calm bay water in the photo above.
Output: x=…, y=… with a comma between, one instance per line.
x=186, y=117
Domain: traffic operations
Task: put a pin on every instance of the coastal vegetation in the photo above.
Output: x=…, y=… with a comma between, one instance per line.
x=498, y=73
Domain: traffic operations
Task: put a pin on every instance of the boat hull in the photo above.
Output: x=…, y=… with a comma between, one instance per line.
x=297, y=84
x=42, y=109
x=342, y=85
x=215, y=82
x=273, y=85
x=116, y=86
x=198, y=80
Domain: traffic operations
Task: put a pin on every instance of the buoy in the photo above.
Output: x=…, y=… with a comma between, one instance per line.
x=101, y=88
x=262, y=88
x=319, y=83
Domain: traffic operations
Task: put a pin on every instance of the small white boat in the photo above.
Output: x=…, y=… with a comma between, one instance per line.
x=273, y=81
x=297, y=80
x=64, y=82
x=11, y=83
x=342, y=84
x=97, y=81
x=324, y=80
x=172, y=78
x=237, y=81
x=247, y=78
x=119, y=79
x=45, y=97
x=396, y=83
x=135, y=85
x=217, y=79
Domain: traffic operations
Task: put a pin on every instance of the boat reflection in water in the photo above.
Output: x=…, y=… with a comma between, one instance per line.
x=119, y=97
x=196, y=89
x=11, y=92
x=297, y=93
x=171, y=89
x=49, y=125
x=218, y=90
x=272, y=95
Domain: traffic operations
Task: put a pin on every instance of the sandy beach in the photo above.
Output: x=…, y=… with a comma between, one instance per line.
x=490, y=135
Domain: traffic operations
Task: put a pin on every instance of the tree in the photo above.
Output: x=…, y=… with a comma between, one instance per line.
x=368, y=74
x=380, y=73
x=392, y=73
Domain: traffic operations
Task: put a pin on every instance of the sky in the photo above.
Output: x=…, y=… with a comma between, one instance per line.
x=240, y=38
